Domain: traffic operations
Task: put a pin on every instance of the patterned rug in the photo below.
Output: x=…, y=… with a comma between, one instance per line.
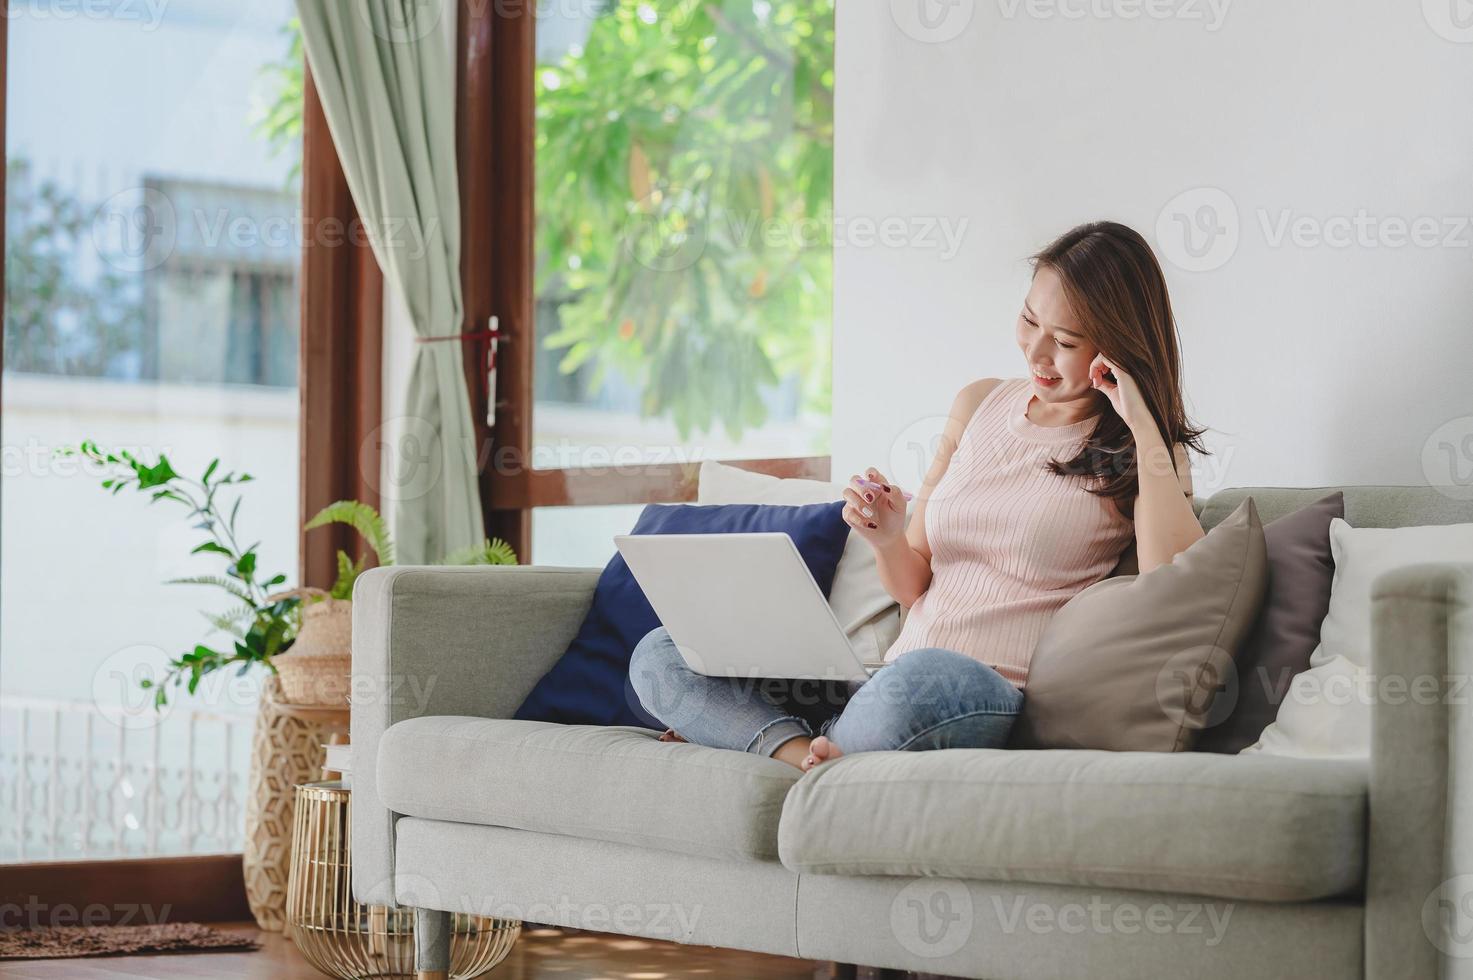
x=66, y=942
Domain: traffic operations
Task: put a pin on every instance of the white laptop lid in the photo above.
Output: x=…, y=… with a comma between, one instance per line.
x=741, y=605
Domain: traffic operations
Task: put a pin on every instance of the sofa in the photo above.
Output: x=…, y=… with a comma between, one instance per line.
x=962, y=862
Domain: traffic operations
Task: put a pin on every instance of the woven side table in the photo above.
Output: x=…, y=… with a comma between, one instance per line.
x=286, y=749
x=344, y=939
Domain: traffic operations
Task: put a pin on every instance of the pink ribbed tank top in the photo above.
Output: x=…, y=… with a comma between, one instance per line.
x=1010, y=541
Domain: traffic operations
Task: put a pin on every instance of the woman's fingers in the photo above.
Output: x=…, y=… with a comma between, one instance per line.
x=883, y=489
x=863, y=507
x=855, y=518
x=873, y=486
x=1098, y=369
x=866, y=494
x=863, y=502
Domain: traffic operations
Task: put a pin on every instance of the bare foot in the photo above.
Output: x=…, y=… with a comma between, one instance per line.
x=671, y=735
x=793, y=751
x=821, y=750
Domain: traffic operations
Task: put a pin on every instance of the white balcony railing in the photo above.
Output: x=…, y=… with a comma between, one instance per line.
x=74, y=784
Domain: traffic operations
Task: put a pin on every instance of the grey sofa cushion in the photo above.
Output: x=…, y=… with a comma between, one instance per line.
x=618, y=784
x=1243, y=827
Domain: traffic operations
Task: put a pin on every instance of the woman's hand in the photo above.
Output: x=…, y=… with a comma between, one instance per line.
x=1124, y=393
x=877, y=513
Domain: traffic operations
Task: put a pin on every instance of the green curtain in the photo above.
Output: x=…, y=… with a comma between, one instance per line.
x=387, y=84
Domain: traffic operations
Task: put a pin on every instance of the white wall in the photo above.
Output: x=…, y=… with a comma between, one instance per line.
x=1313, y=364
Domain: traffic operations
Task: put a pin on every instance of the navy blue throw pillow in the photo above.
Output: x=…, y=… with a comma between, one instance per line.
x=589, y=685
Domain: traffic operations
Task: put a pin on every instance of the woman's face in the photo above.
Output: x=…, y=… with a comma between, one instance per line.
x=1052, y=345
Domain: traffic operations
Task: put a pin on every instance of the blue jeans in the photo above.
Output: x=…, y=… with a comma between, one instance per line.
x=931, y=698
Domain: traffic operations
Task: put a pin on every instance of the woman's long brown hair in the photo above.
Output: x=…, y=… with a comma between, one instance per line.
x=1116, y=290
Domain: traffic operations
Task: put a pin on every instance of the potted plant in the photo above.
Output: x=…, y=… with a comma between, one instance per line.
x=319, y=672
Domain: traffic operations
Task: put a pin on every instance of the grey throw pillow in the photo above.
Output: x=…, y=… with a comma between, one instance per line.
x=1300, y=572
x=1134, y=662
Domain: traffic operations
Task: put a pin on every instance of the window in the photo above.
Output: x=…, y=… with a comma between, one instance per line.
x=683, y=267
x=151, y=255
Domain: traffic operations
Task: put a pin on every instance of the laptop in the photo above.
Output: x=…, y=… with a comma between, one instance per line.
x=742, y=605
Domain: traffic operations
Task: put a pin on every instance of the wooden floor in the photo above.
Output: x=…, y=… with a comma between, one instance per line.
x=541, y=954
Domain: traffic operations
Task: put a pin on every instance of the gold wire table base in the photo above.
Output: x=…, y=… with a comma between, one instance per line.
x=344, y=939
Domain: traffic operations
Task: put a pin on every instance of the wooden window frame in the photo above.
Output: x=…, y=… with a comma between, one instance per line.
x=496, y=129
x=341, y=365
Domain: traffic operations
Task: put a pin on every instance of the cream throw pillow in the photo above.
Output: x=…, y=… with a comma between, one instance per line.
x=869, y=615
x=1327, y=713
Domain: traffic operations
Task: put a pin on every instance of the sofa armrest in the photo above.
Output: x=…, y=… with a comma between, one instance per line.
x=1421, y=790
x=440, y=640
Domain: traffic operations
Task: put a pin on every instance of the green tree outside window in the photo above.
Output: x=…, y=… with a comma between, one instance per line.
x=684, y=201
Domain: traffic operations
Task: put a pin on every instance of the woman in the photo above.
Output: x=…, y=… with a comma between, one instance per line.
x=1038, y=487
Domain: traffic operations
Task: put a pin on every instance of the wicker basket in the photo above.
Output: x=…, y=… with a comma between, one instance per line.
x=318, y=669
x=287, y=750
x=345, y=939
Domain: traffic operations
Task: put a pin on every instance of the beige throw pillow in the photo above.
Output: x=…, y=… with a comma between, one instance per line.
x=1134, y=662
x=869, y=615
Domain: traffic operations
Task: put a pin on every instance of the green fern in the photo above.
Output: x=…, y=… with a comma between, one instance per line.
x=348, y=573
x=492, y=551
x=361, y=518
x=229, y=585
x=366, y=521
x=233, y=622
